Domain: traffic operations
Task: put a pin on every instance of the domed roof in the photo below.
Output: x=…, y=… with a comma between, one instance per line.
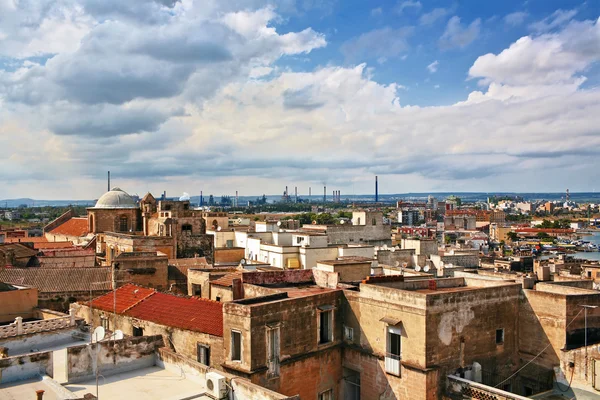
x=116, y=198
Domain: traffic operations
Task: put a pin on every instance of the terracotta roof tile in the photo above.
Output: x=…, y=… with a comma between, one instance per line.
x=72, y=227
x=200, y=315
x=227, y=280
x=127, y=296
x=52, y=245
x=59, y=280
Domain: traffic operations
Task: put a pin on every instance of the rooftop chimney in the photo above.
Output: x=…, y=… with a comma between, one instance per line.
x=39, y=394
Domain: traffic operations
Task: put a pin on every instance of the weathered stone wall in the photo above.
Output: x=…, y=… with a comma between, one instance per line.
x=183, y=342
x=145, y=269
x=18, y=303
x=201, y=245
x=229, y=255
x=368, y=234
x=399, y=256
x=109, y=220
x=25, y=367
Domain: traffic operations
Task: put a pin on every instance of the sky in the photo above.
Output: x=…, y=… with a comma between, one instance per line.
x=253, y=95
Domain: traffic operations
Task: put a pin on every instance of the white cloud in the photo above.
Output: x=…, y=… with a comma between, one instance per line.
x=192, y=98
x=548, y=60
x=376, y=12
x=516, y=18
x=457, y=35
x=407, y=5
x=433, y=67
x=385, y=42
x=431, y=17
x=556, y=20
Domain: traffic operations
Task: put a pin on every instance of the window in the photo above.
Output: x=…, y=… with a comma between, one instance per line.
x=104, y=322
x=394, y=350
x=218, y=298
x=499, y=336
x=196, y=290
x=123, y=224
x=326, y=395
x=167, y=207
x=598, y=274
x=528, y=391
x=326, y=325
x=138, y=331
x=186, y=206
x=186, y=229
x=589, y=274
x=161, y=230
x=373, y=221
x=299, y=240
x=273, y=351
x=203, y=353
x=229, y=243
x=236, y=346
x=348, y=333
x=358, y=221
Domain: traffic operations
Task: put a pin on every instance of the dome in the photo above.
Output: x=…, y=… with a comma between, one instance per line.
x=116, y=198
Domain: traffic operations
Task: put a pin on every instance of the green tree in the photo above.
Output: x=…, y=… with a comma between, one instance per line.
x=542, y=235
x=325, y=219
x=512, y=236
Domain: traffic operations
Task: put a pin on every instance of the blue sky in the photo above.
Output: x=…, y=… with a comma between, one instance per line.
x=254, y=95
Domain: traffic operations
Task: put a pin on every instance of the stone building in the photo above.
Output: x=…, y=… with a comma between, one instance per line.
x=192, y=327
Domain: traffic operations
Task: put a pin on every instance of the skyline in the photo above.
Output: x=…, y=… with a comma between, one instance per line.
x=169, y=95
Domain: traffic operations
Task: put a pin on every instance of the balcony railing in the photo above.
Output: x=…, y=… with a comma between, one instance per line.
x=273, y=367
x=392, y=363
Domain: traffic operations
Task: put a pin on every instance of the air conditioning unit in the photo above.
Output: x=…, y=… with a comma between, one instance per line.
x=215, y=385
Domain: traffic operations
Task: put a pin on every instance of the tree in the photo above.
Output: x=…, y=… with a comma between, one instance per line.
x=542, y=235
x=325, y=219
x=512, y=236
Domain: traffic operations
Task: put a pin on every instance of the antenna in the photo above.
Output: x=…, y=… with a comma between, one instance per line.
x=108, y=181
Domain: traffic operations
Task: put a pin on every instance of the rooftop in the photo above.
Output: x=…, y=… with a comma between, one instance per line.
x=58, y=280
x=189, y=313
x=115, y=199
x=227, y=280
x=72, y=227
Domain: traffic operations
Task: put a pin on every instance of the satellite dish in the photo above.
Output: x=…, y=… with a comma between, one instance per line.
x=243, y=261
x=119, y=334
x=450, y=265
x=397, y=263
x=342, y=222
x=98, y=334
x=278, y=223
x=426, y=269
x=393, y=249
x=418, y=268
x=219, y=229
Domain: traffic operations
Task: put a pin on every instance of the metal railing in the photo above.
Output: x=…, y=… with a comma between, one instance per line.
x=392, y=363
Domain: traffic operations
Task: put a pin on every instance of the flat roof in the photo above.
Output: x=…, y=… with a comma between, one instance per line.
x=25, y=389
x=143, y=384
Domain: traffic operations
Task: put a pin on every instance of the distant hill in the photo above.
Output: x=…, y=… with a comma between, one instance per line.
x=15, y=203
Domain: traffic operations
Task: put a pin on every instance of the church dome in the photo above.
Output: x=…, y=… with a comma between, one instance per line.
x=116, y=198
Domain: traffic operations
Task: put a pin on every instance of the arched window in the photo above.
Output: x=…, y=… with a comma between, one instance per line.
x=91, y=223
x=123, y=223
x=215, y=224
x=374, y=221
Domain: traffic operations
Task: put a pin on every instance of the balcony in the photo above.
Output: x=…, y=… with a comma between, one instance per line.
x=392, y=364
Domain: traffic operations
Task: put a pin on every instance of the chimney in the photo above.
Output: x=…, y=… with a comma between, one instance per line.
x=108, y=181
x=376, y=190
x=39, y=394
x=324, y=194
x=236, y=198
x=309, y=193
x=201, y=199
x=286, y=191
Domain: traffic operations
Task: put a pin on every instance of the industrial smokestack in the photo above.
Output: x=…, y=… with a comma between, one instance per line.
x=286, y=192
x=309, y=193
x=296, y=192
x=108, y=181
x=201, y=199
x=324, y=194
x=236, y=198
x=376, y=190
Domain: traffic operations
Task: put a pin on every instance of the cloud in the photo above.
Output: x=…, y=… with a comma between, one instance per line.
x=376, y=12
x=546, y=63
x=457, y=35
x=433, y=67
x=431, y=17
x=407, y=5
x=516, y=18
x=192, y=97
x=385, y=42
x=557, y=19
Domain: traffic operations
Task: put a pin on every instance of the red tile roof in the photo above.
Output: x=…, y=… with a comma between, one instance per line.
x=53, y=245
x=227, y=280
x=72, y=227
x=188, y=313
x=127, y=296
x=30, y=239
